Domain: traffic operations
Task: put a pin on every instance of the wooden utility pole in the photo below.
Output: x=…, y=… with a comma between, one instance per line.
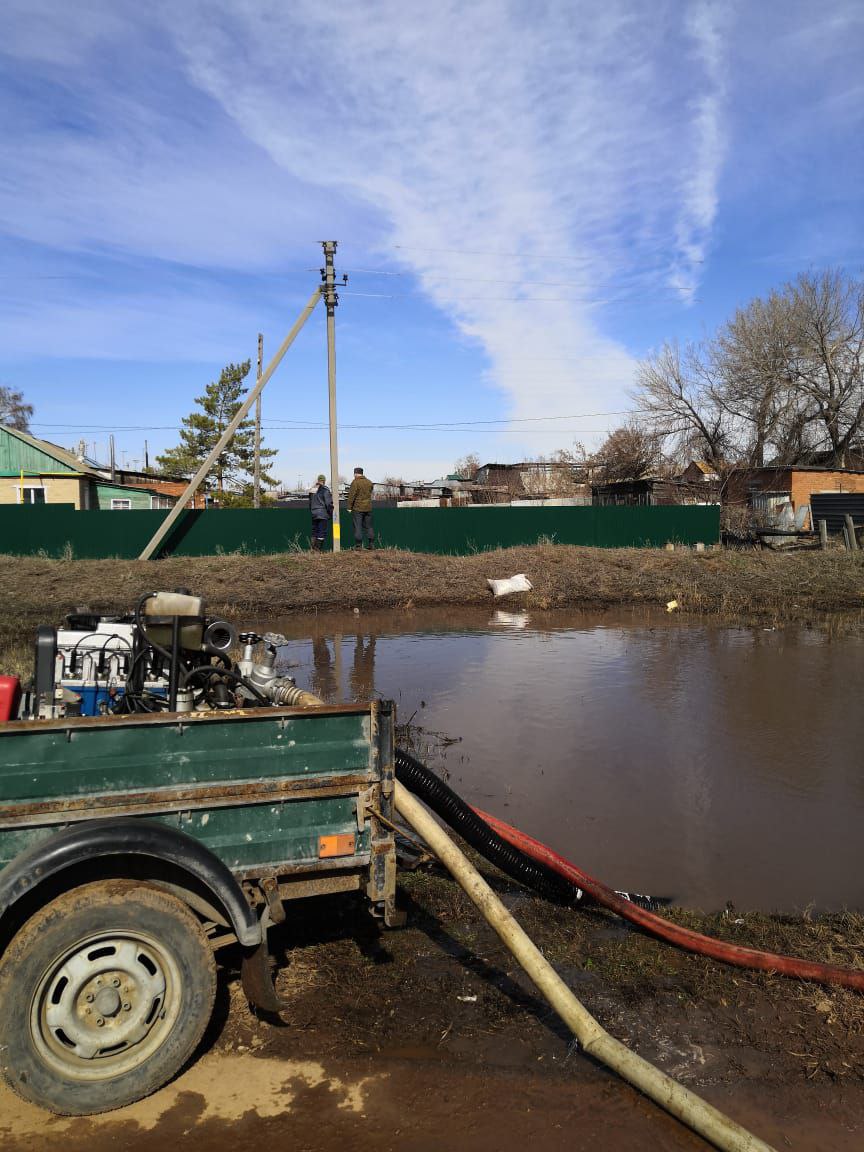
x=113, y=469
x=256, y=497
x=331, y=299
x=242, y=412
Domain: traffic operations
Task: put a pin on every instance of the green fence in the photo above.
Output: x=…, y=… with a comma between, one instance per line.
x=58, y=530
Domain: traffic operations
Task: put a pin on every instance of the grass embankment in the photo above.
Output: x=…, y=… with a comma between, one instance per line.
x=806, y=587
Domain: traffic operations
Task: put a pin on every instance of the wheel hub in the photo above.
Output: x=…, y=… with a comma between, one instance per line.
x=105, y=1006
x=107, y=1002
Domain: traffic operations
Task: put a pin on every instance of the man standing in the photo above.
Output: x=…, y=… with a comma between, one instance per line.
x=321, y=507
x=360, y=506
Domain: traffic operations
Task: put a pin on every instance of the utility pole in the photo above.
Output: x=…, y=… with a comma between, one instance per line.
x=238, y=418
x=331, y=299
x=113, y=470
x=146, y=458
x=256, y=497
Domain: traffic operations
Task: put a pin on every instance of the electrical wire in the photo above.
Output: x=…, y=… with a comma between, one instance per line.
x=282, y=425
x=495, y=279
x=673, y=295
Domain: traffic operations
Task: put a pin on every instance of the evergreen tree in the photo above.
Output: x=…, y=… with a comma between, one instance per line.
x=201, y=432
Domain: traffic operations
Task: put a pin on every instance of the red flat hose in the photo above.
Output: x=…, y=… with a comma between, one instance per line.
x=674, y=933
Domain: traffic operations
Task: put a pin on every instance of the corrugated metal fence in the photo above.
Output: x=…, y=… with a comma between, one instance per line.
x=57, y=530
x=833, y=506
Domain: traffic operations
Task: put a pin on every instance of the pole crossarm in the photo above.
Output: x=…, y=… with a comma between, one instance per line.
x=243, y=410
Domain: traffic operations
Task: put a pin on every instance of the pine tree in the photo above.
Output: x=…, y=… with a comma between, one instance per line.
x=201, y=432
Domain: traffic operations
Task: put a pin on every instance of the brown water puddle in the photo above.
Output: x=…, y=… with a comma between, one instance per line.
x=234, y=1103
x=706, y=763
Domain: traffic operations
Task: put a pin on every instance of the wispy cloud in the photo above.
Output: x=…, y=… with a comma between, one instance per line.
x=557, y=149
x=532, y=169
x=706, y=25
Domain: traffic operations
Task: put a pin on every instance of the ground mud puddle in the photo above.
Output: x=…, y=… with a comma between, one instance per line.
x=234, y=1103
x=707, y=763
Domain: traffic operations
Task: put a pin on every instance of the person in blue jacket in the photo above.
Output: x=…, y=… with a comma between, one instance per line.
x=321, y=507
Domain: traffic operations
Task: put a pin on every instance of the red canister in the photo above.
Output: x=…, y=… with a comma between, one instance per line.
x=10, y=694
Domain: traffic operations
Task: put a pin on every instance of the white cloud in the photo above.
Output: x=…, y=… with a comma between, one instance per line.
x=706, y=23
x=571, y=142
x=529, y=166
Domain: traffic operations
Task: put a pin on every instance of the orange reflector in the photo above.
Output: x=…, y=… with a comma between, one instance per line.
x=339, y=845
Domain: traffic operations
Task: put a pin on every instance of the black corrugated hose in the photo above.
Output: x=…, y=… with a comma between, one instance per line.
x=445, y=803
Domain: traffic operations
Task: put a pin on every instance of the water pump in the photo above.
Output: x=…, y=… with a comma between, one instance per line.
x=165, y=655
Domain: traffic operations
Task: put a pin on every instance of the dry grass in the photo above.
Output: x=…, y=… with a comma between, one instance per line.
x=824, y=589
x=786, y=586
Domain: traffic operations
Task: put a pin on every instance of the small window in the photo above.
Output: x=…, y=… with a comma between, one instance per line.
x=161, y=501
x=118, y=505
x=32, y=494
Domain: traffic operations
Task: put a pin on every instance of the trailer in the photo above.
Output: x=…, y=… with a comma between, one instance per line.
x=135, y=845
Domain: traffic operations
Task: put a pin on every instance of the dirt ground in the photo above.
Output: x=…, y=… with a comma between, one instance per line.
x=429, y=1037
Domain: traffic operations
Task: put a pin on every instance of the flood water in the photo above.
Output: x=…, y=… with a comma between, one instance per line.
x=705, y=763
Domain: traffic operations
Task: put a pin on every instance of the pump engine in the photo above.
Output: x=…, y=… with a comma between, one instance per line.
x=166, y=655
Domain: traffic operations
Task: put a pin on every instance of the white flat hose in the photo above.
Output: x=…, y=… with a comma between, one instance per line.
x=689, y=1108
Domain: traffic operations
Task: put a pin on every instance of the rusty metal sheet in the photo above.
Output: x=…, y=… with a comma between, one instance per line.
x=71, y=808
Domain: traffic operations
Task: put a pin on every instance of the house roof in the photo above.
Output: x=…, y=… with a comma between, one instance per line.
x=528, y=464
x=703, y=466
x=61, y=455
x=799, y=468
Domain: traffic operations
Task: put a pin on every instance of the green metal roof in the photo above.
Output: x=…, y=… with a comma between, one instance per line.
x=19, y=451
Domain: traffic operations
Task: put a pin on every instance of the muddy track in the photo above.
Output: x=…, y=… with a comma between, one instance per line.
x=429, y=1037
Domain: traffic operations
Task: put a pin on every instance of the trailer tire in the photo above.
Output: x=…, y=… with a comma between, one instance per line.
x=105, y=994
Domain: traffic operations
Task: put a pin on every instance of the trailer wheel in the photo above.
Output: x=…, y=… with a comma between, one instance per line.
x=104, y=996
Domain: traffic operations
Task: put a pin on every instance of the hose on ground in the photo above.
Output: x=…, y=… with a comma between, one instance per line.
x=474, y=830
x=665, y=929
x=537, y=866
x=702, y=1117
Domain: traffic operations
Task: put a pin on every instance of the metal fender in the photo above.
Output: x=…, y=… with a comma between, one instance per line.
x=127, y=836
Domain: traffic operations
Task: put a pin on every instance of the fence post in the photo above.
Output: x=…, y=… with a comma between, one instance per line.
x=823, y=534
x=851, y=538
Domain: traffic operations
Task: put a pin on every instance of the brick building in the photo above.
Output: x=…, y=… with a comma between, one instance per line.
x=763, y=488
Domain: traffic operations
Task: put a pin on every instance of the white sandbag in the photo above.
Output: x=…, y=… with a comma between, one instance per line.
x=518, y=583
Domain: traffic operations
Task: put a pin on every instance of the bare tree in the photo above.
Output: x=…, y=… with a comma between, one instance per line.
x=466, y=467
x=14, y=412
x=679, y=397
x=390, y=486
x=781, y=382
x=628, y=453
x=828, y=369
x=752, y=356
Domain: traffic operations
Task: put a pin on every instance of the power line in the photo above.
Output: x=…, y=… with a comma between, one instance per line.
x=501, y=280
x=281, y=425
x=474, y=423
x=521, y=299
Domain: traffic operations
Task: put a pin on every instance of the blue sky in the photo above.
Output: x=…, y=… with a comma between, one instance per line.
x=527, y=199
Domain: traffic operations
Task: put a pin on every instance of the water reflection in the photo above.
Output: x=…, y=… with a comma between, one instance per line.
x=324, y=680
x=708, y=763
x=362, y=679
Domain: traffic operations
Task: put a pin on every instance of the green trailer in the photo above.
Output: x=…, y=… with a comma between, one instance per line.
x=134, y=846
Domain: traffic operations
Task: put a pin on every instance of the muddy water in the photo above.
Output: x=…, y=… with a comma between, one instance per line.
x=706, y=763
